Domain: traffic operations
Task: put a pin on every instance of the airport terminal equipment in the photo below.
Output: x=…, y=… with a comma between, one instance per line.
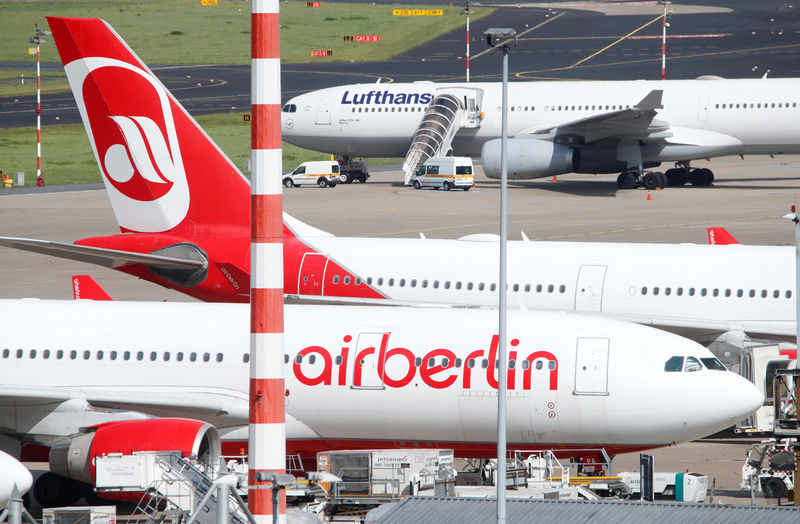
x=351, y=169
x=451, y=110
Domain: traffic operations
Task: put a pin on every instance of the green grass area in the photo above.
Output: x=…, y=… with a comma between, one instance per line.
x=67, y=157
x=185, y=32
x=14, y=82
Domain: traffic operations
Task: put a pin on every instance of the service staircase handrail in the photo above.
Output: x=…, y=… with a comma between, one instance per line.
x=435, y=133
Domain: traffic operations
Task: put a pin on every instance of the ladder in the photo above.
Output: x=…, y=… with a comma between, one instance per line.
x=451, y=110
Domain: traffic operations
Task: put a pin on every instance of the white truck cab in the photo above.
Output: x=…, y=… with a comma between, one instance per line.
x=324, y=173
x=447, y=172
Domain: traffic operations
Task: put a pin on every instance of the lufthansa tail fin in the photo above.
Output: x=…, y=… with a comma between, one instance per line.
x=163, y=173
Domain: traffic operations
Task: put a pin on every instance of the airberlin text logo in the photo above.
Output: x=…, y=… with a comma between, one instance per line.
x=133, y=125
x=439, y=368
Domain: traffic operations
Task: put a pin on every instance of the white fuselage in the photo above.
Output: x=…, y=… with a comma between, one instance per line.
x=701, y=288
x=360, y=374
x=762, y=114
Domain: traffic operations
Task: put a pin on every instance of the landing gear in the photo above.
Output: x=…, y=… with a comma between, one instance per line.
x=701, y=177
x=654, y=180
x=676, y=176
x=627, y=180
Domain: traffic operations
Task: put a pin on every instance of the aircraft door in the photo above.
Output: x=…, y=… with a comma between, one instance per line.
x=591, y=366
x=364, y=371
x=312, y=274
x=702, y=109
x=589, y=291
x=324, y=111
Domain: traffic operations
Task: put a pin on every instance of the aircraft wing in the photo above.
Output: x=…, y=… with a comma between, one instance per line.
x=638, y=121
x=694, y=328
x=228, y=405
x=110, y=258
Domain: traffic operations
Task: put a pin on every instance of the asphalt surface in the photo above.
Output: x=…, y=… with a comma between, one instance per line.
x=738, y=39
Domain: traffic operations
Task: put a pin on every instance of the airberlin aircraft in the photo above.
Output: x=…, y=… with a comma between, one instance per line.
x=363, y=377
x=183, y=230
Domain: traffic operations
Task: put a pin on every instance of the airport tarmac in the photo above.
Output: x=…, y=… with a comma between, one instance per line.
x=748, y=199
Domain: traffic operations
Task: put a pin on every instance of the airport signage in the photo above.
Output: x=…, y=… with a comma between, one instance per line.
x=322, y=52
x=417, y=12
x=208, y=2
x=313, y=4
x=246, y=117
x=361, y=38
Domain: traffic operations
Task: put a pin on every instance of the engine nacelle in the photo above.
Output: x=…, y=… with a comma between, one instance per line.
x=529, y=157
x=75, y=458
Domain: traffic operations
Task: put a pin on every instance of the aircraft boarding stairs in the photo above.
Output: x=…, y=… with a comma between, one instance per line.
x=451, y=110
x=179, y=486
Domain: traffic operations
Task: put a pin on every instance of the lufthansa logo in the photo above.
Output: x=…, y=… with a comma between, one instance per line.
x=289, y=123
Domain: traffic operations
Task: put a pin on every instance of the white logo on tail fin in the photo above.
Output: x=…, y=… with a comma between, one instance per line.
x=128, y=117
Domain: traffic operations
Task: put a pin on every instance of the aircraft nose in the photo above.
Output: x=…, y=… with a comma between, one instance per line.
x=743, y=398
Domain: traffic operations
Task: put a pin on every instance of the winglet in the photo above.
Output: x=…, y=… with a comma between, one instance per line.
x=85, y=287
x=652, y=100
x=719, y=236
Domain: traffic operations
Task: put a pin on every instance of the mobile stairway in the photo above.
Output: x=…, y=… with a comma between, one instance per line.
x=452, y=109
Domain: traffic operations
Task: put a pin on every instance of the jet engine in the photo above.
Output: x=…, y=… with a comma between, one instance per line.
x=529, y=157
x=75, y=457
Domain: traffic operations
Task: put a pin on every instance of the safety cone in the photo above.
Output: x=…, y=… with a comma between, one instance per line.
x=554, y=179
x=648, y=195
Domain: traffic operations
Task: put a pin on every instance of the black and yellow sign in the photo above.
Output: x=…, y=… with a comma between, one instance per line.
x=313, y=4
x=246, y=117
x=417, y=12
x=322, y=52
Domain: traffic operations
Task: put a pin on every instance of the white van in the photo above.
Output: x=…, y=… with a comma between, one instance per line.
x=446, y=172
x=324, y=173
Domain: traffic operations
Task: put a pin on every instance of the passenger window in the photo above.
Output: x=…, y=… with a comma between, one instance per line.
x=469, y=286
x=458, y=362
x=298, y=359
x=73, y=354
x=679, y=291
x=369, y=281
x=526, y=364
x=46, y=353
x=87, y=355
x=413, y=282
x=655, y=290
x=551, y=364
x=402, y=282
x=550, y=288
x=447, y=284
x=458, y=285
x=192, y=356
x=338, y=360
x=727, y=292
x=562, y=288
x=740, y=293
x=246, y=358
x=667, y=290
x=715, y=292
x=380, y=281
x=20, y=353
x=674, y=364
x=6, y=353
x=335, y=279
x=312, y=358
x=418, y=362
x=391, y=282
x=788, y=294
x=285, y=359
x=481, y=286
x=59, y=354
x=166, y=356
x=515, y=287
x=424, y=283
x=539, y=364
x=714, y=364
x=644, y=290
x=206, y=357
x=113, y=355
x=527, y=288
x=153, y=356
x=127, y=355
x=99, y=355
x=435, y=284
x=776, y=294
x=763, y=293
x=471, y=363
x=492, y=286
x=347, y=281
x=445, y=362
x=512, y=364
x=692, y=364
x=691, y=291
x=538, y=288
x=703, y=292
x=484, y=364
x=179, y=356
x=219, y=357
x=33, y=353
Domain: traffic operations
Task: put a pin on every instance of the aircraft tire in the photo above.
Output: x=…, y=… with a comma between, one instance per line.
x=662, y=179
x=676, y=177
x=417, y=184
x=701, y=177
x=626, y=180
x=650, y=181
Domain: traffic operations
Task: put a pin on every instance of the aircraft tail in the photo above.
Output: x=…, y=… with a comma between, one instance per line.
x=85, y=287
x=720, y=236
x=162, y=172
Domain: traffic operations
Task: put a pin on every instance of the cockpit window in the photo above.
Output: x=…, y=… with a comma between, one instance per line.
x=674, y=364
x=712, y=363
x=692, y=364
x=289, y=108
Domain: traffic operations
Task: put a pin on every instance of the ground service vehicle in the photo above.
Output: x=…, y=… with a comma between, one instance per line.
x=446, y=172
x=323, y=173
x=350, y=170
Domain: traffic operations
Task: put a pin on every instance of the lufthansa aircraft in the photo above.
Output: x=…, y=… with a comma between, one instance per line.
x=556, y=127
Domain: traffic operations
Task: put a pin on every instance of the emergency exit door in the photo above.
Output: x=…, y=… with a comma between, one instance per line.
x=591, y=366
x=312, y=274
x=367, y=370
x=589, y=289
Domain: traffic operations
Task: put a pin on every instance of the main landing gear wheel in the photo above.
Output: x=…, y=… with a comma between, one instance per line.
x=701, y=177
x=654, y=180
x=626, y=180
x=677, y=176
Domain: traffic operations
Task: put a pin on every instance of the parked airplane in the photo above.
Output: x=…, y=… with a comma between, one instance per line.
x=556, y=127
x=13, y=476
x=198, y=242
x=363, y=377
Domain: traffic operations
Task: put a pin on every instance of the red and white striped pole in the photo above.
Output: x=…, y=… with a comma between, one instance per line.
x=468, y=13
x=267, y=444
x=39, y=179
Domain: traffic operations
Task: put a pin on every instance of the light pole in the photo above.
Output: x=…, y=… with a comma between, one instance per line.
x=467, y=11
x=664, y=40
x=37, y=39
x=503, y=38
x=794, y=216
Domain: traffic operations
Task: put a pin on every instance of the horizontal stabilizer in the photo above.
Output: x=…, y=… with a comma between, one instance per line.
x=111, y=258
